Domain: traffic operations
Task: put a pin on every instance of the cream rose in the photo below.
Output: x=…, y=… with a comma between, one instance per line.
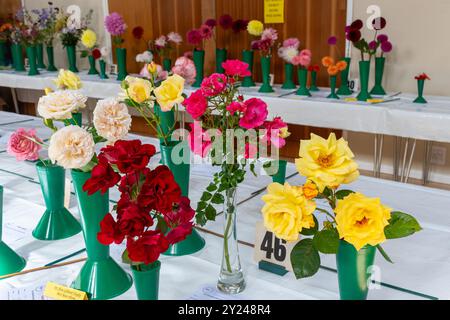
x=71, y=147
x=60, y=105
x=111, y=119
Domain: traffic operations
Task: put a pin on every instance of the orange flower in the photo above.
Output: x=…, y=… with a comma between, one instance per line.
x=341, y=65
x=333, y=70
x=327, y=61
x=6, y=26
x=310, y=190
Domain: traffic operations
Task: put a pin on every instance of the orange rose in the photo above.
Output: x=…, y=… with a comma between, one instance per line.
x=310, y=190
x=341, y=65
x=333, y=70
x=327, y=61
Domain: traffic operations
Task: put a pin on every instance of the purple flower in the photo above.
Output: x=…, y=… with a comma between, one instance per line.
x=194, y=37
x=212, y=23
x=115, y=24
x=332, y=41
x=373, y=45
x=226, y=21
x=379, y=23
x=386, y=47
x=382, y=38
x=354, y=35
x=357, y=25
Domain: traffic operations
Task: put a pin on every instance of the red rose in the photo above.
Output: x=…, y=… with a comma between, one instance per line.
x=132, y=221
x=129, y=156
x=180, y=221
x=103, y=178
x=109, y=233
x=147, y=248
x=97, y=54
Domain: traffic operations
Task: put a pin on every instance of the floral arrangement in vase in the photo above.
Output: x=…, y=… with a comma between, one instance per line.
x=333, y=70
x=265, y=46
x=105, y=56
x=197, y=38
x=314, y=70
x=344, y=89
x=163, y=46
x=302, y=61
x=219, y=95
x=254, y=29
x=421, y=78
x=5, y=36
x=16, y=34
x=151, y=213
x=355, y=228
x=288, y=51
x=116, y=27
x=89, y=41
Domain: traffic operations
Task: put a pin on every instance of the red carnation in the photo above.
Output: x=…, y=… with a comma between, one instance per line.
x=96, y=53
x=138, y=33
x=103, y=178
x=147, y=248
x=109, y=233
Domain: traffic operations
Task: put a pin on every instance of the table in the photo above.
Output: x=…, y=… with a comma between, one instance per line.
x=421, y=262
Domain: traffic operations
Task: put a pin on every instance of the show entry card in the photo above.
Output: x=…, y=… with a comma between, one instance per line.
x=274, y=11
x=59, y=292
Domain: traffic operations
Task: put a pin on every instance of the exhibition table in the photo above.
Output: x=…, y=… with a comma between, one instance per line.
x=421, y=261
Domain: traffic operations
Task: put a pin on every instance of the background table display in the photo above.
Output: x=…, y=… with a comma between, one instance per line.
x=421, y=262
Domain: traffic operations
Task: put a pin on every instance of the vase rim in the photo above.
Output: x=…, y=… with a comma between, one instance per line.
x=46, y=164
x=155, y=266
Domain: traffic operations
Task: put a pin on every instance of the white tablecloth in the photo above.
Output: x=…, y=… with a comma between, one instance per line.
x=421, y=262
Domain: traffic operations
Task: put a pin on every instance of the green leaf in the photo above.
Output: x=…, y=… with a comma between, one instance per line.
x=218, y=199
x=305, y=259
x=342, y=194
x=384, y=254
x=206, y=196
x=201, y=206
x=401, y=225
x=327, y=241
x=312, y=231
x=211, y=213
x=211, y=188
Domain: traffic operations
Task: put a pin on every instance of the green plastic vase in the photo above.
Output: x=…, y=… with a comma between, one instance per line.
x=353, y=271
x=378, y=89
x=280, y=176
x=333, y=81
x=364, y=72
x=420, y=88
x=303, y=80
x=3, y=62
x=92, y=66
x=248, y=57
x=122, y=72
x=313, y=87
x=288, y=77
x=146, y=281
x=77, y=119
x=103, y=74
x=40, y=56
x=167, y=64
x=265, y=67
x=221, y=57
x=10, y=261
x=72, y=58
x=31, y=55
x=199, y=61
x=51, y=59
x=101, y=277
x=344, y=89
x=57, y=223
x=17, y=55
x=167, y=121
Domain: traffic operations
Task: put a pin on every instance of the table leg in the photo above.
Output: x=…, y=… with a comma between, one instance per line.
x=378, y=155
x=15, y=102
x=426, y=162
x=407, y=162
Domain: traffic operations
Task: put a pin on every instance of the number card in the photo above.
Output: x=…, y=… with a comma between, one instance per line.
x=59, y=292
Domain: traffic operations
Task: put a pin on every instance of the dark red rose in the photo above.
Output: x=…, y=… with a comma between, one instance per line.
x=357, y=25
x=379, y=23
x=129, y=156
x=103, y=178
x=226, y=21
x=109, y=233
x=179, y=221
x=160, y=191
x=97, y=54
x=138, y=33
x=132, y=221
x=354, y=35
x=147, y=248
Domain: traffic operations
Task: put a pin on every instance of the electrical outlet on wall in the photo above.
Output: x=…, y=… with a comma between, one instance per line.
x=438, y=155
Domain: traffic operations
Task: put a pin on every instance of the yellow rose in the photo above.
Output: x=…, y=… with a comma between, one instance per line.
x=89, y=38
x=310, y=190
x=361, y=221
x=287, y=212
x=170, y=92
x=327, y=163
x=255, y=28
x=139, y=90
x=152, y=68
x=67, y=80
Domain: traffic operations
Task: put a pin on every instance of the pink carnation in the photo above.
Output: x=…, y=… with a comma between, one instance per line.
x=196, y=104
x=214, y=85
x=291, y=42
x=255, y=114
x=161, y=42
x=21, y=147
x=175, y=37
x=236, y=68
x=185, y=67
x=270, y=34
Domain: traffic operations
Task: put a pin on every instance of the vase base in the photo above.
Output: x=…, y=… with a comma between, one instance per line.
x=378, y=91
x=231, y=284
x=266, y=89
x=344, y=91
x=333, y=96
x=303, y=92
x=193, y=243
x=102, y=280
x=421, y=100
x=93, y=72
x=363, y=97
x=52, y=69
x=289, y=86
x=74, y=70
x=314, y=89
x=248, y=83
x=56, y=225
x=11, y=262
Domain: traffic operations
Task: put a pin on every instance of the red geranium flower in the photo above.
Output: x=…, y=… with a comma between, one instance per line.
x=133, y=221
x=423, y=76
x=147, y=248
x=109, y=233
x=103, y=178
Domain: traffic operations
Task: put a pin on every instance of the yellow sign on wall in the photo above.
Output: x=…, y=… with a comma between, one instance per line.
x=274, y=11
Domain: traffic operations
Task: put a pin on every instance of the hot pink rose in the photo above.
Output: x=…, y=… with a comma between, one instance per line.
x=255, y=114
x=236, y=68
x=236, y=107
x=185, y=67
x=196, y=104
x=274, y=134
x=214, y=85
x=21, y=147
x=199, y=140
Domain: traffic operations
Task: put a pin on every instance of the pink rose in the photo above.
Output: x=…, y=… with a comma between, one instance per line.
x=236, y=68
x=214, y=85
x=255, y=114
x=185, y=67
x=274, y=134
x=235, y=107
x=21, y=147
x=199, y=140
x=196, y=104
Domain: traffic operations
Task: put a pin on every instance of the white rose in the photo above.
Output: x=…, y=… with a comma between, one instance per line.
x=71, y=147
x=111, y=119
x=60, y=105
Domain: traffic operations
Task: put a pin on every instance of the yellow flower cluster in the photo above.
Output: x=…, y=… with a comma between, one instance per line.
x=255, y=28
x=89, y=39
x=67, y=80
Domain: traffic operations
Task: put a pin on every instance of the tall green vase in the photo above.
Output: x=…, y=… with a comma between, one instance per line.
x=40, y=56
x=103, y=74
x=122, y=72
x=265, y=67
x=101, y=277
x=31, y=55
x=72, y=57
x=221, y=57
x=167, y=121
x=167, y=64
x=420, y=88
x=146, y=281
x=280, y=176
x=313, y=87
x=364, y=72
x=57, y=223
x=353, y=271
x=248, y=57
x=199, y=61
x=17, y=55
x=10, y=261
x=92, y=66
x=3, y=62
x=333, y=81
x=288, y=77
x=51, y=59
x=344, y=90
x=378, y=89
x=303, y=80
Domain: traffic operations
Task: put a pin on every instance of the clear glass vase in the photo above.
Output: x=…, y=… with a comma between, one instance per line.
x=231, y=279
